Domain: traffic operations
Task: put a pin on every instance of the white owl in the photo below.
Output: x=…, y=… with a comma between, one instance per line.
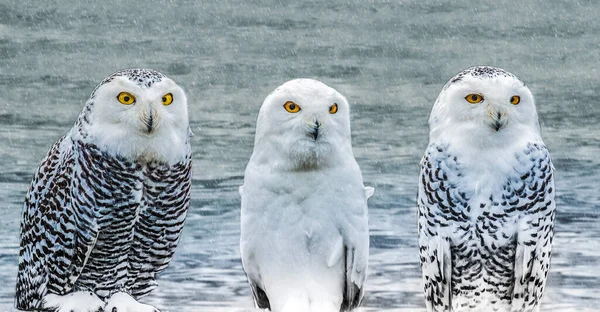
x=486, y=197
x=304, y=231
x=105, y=210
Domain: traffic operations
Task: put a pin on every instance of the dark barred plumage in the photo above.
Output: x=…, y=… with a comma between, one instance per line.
x=122, y=219
x=96, y=221
x=498, y=247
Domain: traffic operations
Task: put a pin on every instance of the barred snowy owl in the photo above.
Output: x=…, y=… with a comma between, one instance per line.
x=304, y=231
x=486, y=197
x=105, y=210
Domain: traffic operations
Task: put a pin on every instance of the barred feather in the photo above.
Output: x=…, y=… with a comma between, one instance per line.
x=498, y=256
x=486, y=197
x=97, y=221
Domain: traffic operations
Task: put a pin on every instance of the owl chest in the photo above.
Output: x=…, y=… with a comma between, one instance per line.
x=118, y=217
x=470, y=200
x=299, y=210
x=114, y=189
x=121, y=214
x=490, y=220
x=305, y=209
x=117, y=205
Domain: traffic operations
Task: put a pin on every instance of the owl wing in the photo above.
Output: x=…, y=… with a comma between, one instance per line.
x=161, y=218
x=252, y=271
x=438, y=203
x=261, y=300
x=355, y=253
x=355, y=260
x=249, y=263
x=57, y=229
x=534, y=239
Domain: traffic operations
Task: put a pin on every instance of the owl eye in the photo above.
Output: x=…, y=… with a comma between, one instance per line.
x=474, y=98
x=333, y=109
x=167, y=99
x=126, y=98
x=291, y=107
x=515, y=99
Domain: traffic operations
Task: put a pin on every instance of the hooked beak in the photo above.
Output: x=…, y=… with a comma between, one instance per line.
x=497, y=117
x=149, y=118
x=315, y=129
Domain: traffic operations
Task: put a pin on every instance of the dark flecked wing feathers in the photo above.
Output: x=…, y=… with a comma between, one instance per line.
x=461, y=257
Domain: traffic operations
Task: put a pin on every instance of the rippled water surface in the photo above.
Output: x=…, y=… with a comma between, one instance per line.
x=390, y=58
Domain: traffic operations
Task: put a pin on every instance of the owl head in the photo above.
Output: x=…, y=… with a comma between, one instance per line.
x=303, y=125
x=138, y=114
x=486, y=105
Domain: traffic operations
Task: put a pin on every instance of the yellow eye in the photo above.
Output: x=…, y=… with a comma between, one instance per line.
x=126, y=98
x=515, y=99
x=333, y=109
x=167, y=99
x=474, y=98
x=291, y=107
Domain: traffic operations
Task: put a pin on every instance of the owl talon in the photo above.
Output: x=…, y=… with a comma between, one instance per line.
x=78, y=301
x=123, y=302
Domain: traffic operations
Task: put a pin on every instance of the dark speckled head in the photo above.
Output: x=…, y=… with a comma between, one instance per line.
x=137, y=114
x=141, y=76
x=483, y=72
x=485, y=101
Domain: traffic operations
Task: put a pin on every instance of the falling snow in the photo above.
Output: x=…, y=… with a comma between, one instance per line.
x=390, y=59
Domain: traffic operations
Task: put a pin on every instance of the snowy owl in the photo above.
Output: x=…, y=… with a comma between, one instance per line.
x=304, y=232
x=106, y=207
x=486, y=197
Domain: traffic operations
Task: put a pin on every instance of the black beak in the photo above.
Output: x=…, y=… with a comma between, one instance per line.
x=498, y=122
x=315, y=132
x=150, y=123
x=496, y=117
x=151, y=119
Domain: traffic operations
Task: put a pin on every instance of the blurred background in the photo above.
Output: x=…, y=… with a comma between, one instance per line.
x=390, y=59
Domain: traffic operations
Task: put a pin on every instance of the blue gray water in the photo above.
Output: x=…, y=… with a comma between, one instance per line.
x=390, y=58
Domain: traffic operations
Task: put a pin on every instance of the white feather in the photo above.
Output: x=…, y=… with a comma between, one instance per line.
x=121, y=301
x=80, y=301
x=481, y=150
x=303, y=201
x=119, y=128
x=369, y=191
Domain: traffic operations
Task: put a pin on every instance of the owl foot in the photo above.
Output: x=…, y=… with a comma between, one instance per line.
x=79, y=301
x=122, y=302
